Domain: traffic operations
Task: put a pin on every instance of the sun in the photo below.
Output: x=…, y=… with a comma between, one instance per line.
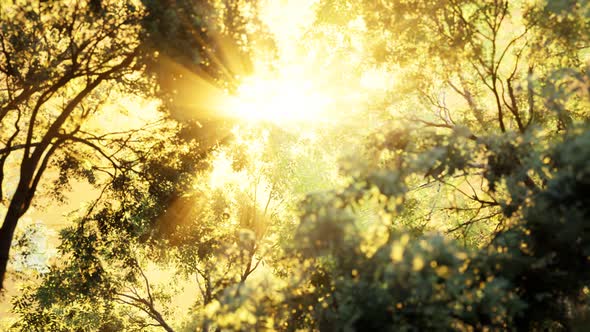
x=280, y=100
x=304, y=80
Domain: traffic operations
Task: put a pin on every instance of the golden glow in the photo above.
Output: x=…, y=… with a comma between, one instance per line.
x=287, y=20
x=320, y=74
x=313, y=75
x=376, y=79
x=288, y=93
x=280, y=100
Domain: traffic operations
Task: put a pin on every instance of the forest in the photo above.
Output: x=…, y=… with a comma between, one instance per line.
x=294, y=165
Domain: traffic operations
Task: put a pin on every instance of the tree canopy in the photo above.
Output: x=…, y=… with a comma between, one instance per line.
x=329, y=165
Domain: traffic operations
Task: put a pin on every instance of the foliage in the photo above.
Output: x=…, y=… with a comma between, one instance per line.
x=451, y=199
x=59, y=65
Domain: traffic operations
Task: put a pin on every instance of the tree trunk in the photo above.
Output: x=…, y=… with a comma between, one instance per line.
x=15, y=211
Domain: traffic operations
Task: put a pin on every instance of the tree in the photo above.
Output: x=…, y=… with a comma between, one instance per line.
x=492, y=72
x=465, y=67
x=58, y=65
x=530, y=276
x=160, y=163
